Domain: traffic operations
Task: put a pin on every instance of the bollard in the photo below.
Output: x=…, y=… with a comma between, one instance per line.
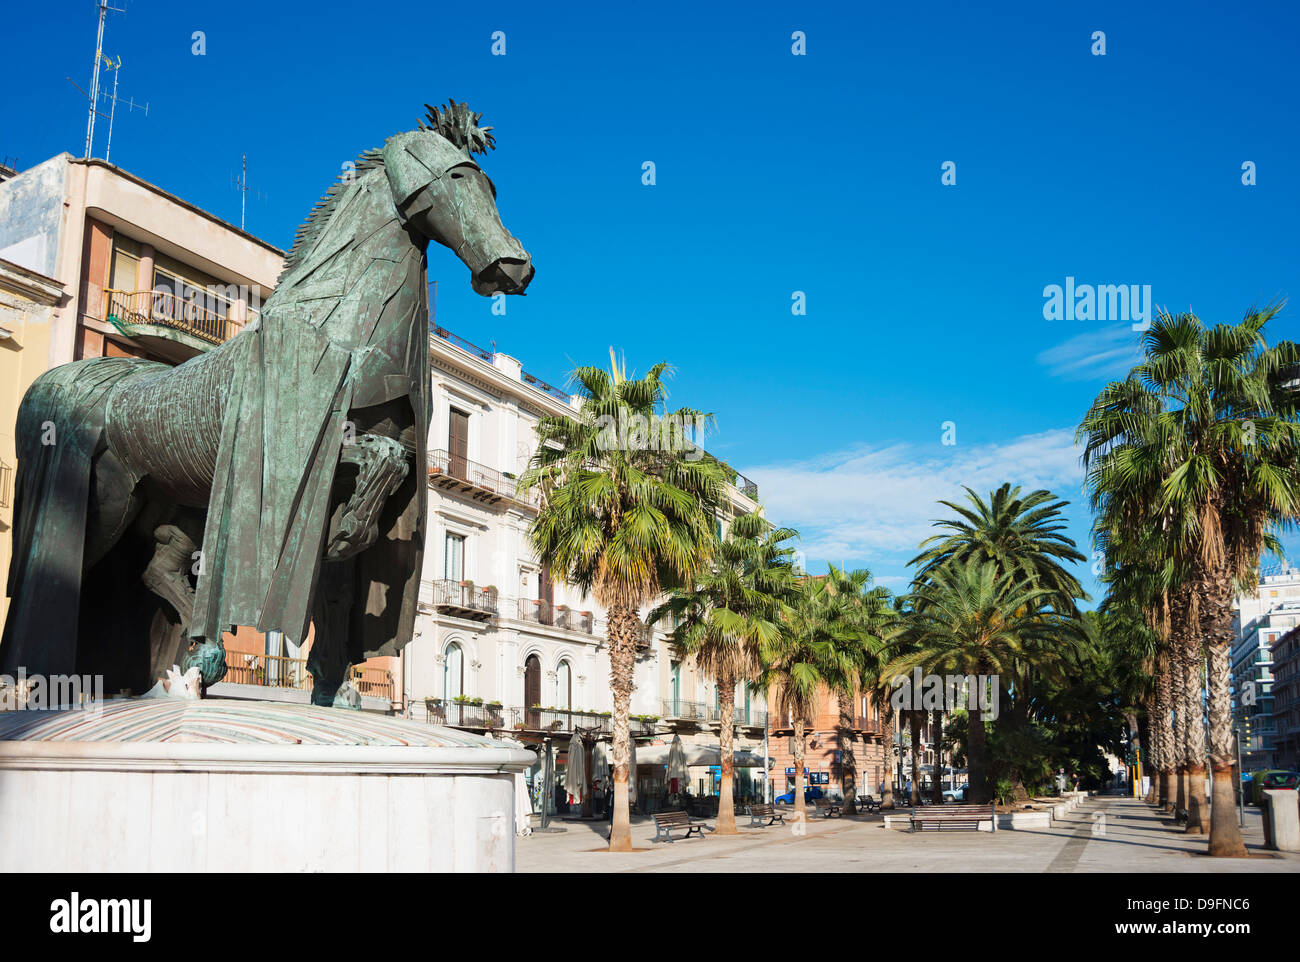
x=1281, y=820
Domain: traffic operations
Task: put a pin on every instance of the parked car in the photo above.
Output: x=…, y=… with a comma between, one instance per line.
x=955, y=795
x=809, y=793
x=1273, y=778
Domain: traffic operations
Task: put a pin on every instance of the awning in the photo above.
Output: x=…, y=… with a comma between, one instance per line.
x=697, y=756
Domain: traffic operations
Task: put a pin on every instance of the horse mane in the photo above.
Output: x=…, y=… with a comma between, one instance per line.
x=305, y=238
x=455, y=122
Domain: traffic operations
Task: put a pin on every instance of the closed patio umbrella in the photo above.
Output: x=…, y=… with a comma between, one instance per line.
x=575, y=773
x=631, y=771
x=676, y=761
x=600, y=762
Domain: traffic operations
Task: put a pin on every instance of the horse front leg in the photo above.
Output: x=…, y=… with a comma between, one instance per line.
x=333, y=650
x=167, y=576
x=382, y=465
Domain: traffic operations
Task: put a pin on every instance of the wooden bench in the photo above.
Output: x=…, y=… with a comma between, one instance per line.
x=665, y=822
x=827, y=807
x=869, y=803
x=763, y=811
x=955, y=818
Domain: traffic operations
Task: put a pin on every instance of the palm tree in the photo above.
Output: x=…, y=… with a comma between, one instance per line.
x=966, y=617
x=1135, y=615
x=728, y=618
x=1021, y=535
x=624, y=522
x=814, y=652
x=1207, y=419
x=859, y=614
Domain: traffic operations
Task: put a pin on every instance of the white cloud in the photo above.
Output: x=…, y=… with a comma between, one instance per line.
x=873, y=506
x=1101, y=354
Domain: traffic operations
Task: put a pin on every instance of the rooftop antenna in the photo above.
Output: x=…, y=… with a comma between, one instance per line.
x=241, y=185
x=114, y=100
x=94, y=78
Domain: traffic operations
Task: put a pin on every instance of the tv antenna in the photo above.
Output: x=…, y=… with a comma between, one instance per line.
x=94, y=77
x=241, y=184
x=114, y=100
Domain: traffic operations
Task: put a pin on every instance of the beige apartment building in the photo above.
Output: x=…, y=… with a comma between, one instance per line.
x=96, y=262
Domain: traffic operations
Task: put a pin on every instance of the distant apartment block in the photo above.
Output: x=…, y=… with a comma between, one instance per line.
x=1262, y=618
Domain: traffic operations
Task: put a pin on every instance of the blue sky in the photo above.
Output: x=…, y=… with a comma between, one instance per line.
x=775, y=173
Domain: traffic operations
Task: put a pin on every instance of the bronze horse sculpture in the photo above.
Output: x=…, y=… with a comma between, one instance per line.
x=276, y=481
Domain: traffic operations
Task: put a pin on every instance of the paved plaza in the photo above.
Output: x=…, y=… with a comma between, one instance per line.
x=1131, y=837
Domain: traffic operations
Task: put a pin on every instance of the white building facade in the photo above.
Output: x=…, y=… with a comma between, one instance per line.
x=498, y=645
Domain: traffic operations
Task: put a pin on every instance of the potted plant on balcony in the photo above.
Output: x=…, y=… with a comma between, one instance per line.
x=493, y=711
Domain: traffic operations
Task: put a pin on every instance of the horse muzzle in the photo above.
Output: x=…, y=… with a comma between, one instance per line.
x=505, y=275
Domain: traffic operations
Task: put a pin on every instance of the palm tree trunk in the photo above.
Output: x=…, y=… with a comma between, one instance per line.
x=726, y=744
x=1178, y=701
x=1164, y=729
x=887, y=784
x=975, y=748
x=1150, y=750
x=848, y=759
x=914, y=723
x=937, y=795
x=800, y=807
x=1197, y=803
x=1225, y=831
x=622, y=622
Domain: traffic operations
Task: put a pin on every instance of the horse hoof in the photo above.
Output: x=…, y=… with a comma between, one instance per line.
x=210, y=659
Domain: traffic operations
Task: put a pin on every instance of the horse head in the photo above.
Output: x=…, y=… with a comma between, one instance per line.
x=456, y=205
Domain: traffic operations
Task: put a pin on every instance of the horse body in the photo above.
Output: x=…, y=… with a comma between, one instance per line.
x=285, y=452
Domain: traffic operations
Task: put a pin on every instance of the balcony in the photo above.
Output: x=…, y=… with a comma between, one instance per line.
x=700, y=714
x=489, y=716
x=274, y=671
x=451, y=472
x=541, y=612
x=464, y=600
x=161, y=316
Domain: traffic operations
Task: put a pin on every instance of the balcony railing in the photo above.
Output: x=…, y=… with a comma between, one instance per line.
x=551, y=389
x=464, y=599
x=676, y=709
x=540, y=720
x=453, y=472
x=541, y=612
x=461, y=343
x=275, y=671
x=128, y=309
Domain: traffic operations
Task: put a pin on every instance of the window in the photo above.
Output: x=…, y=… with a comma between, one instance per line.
x=454, y=558
x=458, y=444
x=563, y=685
x=676, y=683
x=124, y=272
x=453, y=673
x=532, y=686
